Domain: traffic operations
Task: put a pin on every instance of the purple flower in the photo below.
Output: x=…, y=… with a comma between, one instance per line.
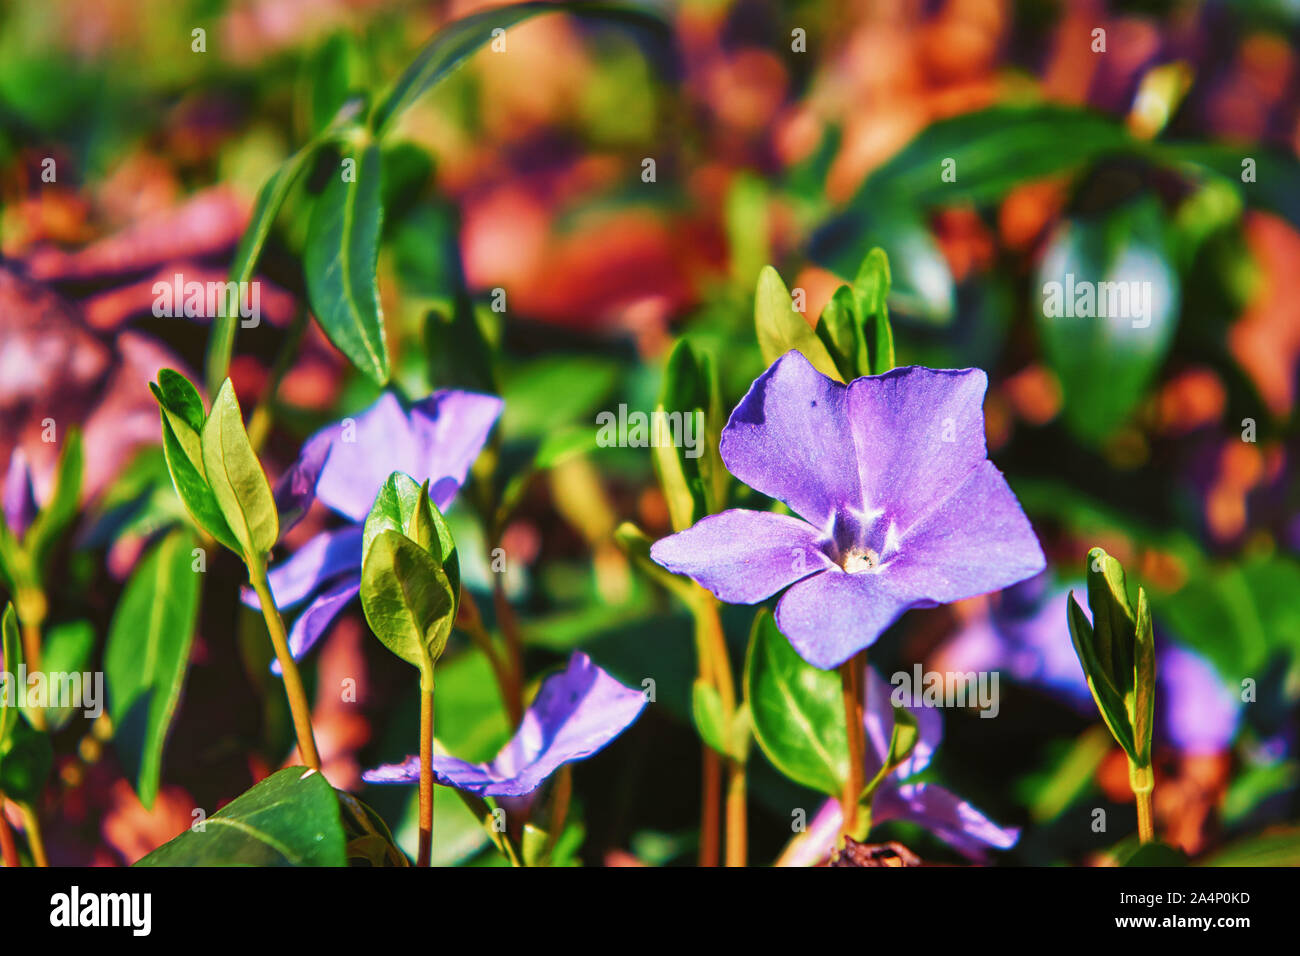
x=19, y=496
x=938, y=810
x=575, y=714
x=1026, y=635
x=898, y=505
x=344, y=465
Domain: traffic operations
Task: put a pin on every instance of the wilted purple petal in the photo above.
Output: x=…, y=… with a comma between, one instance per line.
x=789, y=438
x=304, y=572
x=879, y=719
x=944, y=814
x=296, y=489
x=1199, y=713
x=832, y=615
x=575, y=714
x=19, y=495
x=315, y=619
x=743, y=556
x=974, y=541
x=918, y=433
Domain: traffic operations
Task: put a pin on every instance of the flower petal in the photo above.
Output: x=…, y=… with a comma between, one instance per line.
x=363, y=452
x=975, y=541
x=1199, y=713
x=880, y=728
x=918, y=432
x=19, y=495
x=450, y=428
x=325, y=556
x=316, y=618
x=296, y=489
x=831, y=616
x=789, y=439
x=743, y=557
x=944, y=814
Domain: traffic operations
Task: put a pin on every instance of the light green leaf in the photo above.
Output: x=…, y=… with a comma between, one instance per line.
x=65, y=659
x=289, y=819
x=1109, y=700
x=797, y=710
x=871, y=295
x=781, y=328
x=1144, y=680
x=53, y=519
x=407, y=599
x=182, y=425
x=236, y=478
x=711, y=720
x=147, y=656
x=340, y=259
x=12, y=646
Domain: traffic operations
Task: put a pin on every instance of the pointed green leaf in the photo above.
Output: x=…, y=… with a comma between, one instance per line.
x=840, y=331
x=147, y=656
x=407, y=599
x=236, y=478
x=871, y=292
x=65, y=659
x=12, y=646
x=182, y=426
x=1112, y=618
x=1144, y=680
x=692, y=399
x=289, y=819
x=394, y=510
x=1109, y=700
x=781, y=328
x=53, y=519
x=797, y=710
x=340, y=260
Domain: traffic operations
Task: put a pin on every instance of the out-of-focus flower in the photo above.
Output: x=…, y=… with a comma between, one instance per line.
x=1026, y=636
x=19, y=495
x=576, y=713
x=344, y=465
x=898, y=506
x=938, y=810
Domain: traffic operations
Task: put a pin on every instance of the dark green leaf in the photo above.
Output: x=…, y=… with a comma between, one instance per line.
x=340, y=259
x=147, y=655
x=796, y=709
x=25, y=762
x=53, y=519
x=289, y=819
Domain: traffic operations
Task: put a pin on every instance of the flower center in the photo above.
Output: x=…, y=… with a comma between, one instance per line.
x=857, y=560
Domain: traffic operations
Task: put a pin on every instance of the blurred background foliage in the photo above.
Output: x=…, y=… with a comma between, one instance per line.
x=794, y=133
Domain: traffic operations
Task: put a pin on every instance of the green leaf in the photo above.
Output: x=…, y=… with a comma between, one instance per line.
x=369, y=841
x=236, y=478
x=459, y=354
x=691, y=393
x=403, y=506
x=407, y=599
x=25, y=762
x=329, y=77
x=289, y=819
x=1156, y=854
x=53, y=519
x=182, y=424
x=267, y=206
x=871, y=294
x=340, y=259
x=841, y=333
x=992, y=151
x=1113, y=620
x=902, y=741
x=454, y=43
x=1277, y=846
x=711, y=720
x=781, y=328
x=65, y=659
x=797, y=710
x=1144, y=680
x=12, y=646
x=147, y=655
x=1118, y=264
x=1109, y=700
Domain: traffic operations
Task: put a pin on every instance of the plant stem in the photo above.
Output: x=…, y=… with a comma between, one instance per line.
x=514, y=643
x=854, y=688
x=737, y=828
x=8, y=852
x=32, y=827
x=470, y=621
x=293, y=687
x=259, y=423
x=31, y=638
x=425, y=856
x=1143, y=780
x=710, y=808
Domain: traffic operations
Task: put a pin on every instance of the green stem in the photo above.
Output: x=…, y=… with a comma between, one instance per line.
x=1143, y=782
x=737, y=823
x=32, y=827
x=425, y=856
x=853, y=686
x=293, y=687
